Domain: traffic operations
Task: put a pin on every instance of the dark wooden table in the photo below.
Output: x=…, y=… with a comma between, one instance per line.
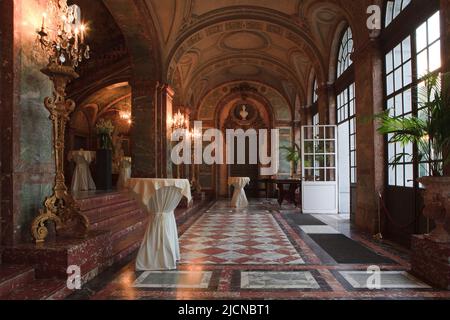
x=286, y=189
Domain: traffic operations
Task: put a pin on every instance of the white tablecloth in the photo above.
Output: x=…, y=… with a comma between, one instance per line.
x=82, y=177
x=124, y=173
x=239, y=199
x=160, y=248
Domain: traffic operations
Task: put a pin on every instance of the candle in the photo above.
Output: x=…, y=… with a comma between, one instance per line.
x=83, y=29
x=76, y=38
x=43, y=21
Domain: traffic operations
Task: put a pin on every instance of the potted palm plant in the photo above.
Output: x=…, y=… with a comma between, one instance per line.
x=430, y=133
x=293, y=156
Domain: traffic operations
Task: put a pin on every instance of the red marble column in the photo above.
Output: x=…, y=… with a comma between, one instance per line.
x=326, y=104
x=150, y=131
x=27, y=165
x=165, y=110
x=323, y=104
x=6, y=122
x=144, y=146
x=370, y=145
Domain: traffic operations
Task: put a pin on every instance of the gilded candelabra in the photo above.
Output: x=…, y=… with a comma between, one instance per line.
x=62, y=39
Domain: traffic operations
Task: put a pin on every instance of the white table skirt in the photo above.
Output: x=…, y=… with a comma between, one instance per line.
x=239, y=199
x=82, y=177
x=124, y=173
x=160, y=247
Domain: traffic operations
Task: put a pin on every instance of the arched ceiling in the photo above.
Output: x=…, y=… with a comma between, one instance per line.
x=197, y=45
x=207, y=43
x=110, y=99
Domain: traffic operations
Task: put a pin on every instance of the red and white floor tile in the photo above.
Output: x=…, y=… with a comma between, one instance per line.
x=261, y=253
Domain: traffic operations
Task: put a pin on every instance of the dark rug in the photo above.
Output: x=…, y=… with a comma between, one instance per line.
x=305, y=220
x=347, y=251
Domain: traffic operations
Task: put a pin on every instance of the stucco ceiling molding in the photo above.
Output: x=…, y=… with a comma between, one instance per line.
x=243, y=20
x=206, y=108
x=261, y=61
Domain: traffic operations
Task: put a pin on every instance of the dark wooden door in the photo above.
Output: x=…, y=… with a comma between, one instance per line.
x=246, y=170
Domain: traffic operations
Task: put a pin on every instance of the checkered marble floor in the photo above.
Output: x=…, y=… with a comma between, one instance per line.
x=224, y=237
x=261, y=252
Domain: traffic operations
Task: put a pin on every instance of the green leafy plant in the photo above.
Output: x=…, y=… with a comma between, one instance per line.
x=429, y=131
x=105, y=128
x=293, y=154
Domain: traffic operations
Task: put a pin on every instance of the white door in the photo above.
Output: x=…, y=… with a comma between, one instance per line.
x=319, y=169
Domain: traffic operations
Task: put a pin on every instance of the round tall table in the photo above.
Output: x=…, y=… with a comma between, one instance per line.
x=239, y=199
x=124, y=173
x=160, y=247
x=82, y=177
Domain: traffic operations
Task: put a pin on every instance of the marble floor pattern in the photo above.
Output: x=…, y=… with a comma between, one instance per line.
x=262, y=253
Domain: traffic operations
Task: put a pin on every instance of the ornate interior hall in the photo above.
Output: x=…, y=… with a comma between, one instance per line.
x=351, y=97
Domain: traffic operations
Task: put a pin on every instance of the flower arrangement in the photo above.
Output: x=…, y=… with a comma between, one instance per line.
x=105, y=129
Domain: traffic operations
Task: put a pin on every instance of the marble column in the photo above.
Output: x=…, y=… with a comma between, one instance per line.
x=150, y=131
x=26, y=163
x=368, y=62
x=322, y=104
x=164, y=102
x=324, y=93
x=144, y=146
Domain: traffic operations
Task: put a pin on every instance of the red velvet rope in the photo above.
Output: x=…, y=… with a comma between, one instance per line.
x=389, y=216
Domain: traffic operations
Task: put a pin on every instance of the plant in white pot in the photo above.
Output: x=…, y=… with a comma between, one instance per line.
x=429, y=132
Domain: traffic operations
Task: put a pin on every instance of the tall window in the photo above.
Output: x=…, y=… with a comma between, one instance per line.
x=394, y=8
x=315, y=107
x=346, y=116
x=345, y=52
x=315, y=97
x=413, y=58
x=346, y=107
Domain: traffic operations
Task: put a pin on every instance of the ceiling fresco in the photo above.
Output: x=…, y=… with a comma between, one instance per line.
x=198, y=45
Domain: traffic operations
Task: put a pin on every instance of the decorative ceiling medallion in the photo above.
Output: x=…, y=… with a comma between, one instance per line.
x=244, y=70
x=244, y=40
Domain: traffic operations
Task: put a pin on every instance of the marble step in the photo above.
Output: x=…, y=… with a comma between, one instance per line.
x=110, y=211
x=109, y=222
x=124, y=228
x=102, y=200
x=129, y=243
x=14, y=276
x=37, y=290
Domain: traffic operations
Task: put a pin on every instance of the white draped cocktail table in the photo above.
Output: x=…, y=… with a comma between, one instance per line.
x=239, y=199
x=82, y=177
x=160, y=248
x=124, y=173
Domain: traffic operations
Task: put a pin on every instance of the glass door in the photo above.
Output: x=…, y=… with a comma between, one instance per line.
x=319, y=169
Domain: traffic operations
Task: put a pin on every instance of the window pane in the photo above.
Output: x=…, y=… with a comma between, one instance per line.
x=406, y=47
x=397, y=56
x=389, y=62
x=392, y=176
x=422, y=64
x=390, y=84
x=409, y=175
x=400, y=175
x=434, y=28
x=435, y=56
x=421, y=37
x=398, y=79
x=394, y=8
x=407, y=101
x=398, y=105
x=407, y=74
